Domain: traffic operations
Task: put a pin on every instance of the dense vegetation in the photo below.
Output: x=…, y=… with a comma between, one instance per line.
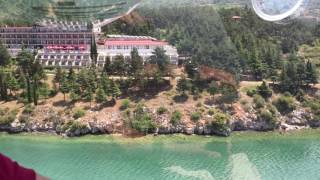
x=249, y=46
x=206, y=37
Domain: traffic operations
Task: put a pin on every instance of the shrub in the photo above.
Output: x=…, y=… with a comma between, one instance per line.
x=78, y=113
x=176, y=117
x=28, y=109
x=264, y=90
x=285, y=104
x=3, y=111
x=219, y=122
x=77, y=125
x=125, y=104
x=251, y=92
x=66, y=126
x=259, y=101
x=162, y=110
x=142, y=121
x=143, y=124
x=195, y=116
x=211, y=112
x=7, y=116
x=6, y=120
x=268, y=116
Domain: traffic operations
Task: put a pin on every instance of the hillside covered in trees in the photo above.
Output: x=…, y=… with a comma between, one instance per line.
x=248, y=46
x=129, y=95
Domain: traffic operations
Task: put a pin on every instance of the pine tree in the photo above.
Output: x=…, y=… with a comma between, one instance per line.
x=284, y=79
x=44, y=90
x=105, y=84
x=58, y=75
x=33, y=72
x=88, y=95
x=13, y=84
x=264, y=90
x=5, y=58
x=160, y=58
x=183, y=85
x=118, y=65
x=65, y=86
x=301, y=74
x=213, y=88
x=3, y=84
x=74, y=96
x=229, y=94
x=100, y=95
x=256, y=64
x=136, y=63
x=115, y=91
x=108, y=66
x=311, y=74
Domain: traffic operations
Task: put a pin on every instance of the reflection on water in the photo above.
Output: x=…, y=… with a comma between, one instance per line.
x=199, y=174
x=242, y=168
x=169, y=157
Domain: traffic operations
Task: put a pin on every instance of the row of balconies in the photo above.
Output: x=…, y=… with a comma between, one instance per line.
x=43, y=30
x=65, y=63
x=64, y=57
x=46, y=36
x=46, y=42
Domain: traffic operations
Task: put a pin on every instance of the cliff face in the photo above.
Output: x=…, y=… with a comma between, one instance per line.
x=53, y=122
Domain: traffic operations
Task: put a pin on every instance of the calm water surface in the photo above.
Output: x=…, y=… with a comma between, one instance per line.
x=242, y=156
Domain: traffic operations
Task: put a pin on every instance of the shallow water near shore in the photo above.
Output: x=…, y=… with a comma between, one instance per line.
x=247, y=155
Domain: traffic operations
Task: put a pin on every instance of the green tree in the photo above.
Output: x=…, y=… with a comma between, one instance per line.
x=33, y=72
x=311, y=74
x=93, y=51
x=160, y=58
x=213, y=88
x=44, y=90
x=13, y=84
x=58, y=75
x=229, y=94
x=88, y=95
x=118, y=65
x=108, y=66
x=3, y=84
x=264, y=90
x=105, y=84
x=136, y=63
x=5, y=58
x=65, y=86
x=115, y=90
x=183, y=85
x=74, y=95
x=101, y=95
x=301, y=74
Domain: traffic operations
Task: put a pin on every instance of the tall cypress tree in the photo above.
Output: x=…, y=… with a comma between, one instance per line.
x=93, y=51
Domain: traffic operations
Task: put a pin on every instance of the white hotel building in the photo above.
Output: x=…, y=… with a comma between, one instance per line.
x=110, y=47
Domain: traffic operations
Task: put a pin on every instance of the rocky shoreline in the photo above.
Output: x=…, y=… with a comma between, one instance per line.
x=53, y=123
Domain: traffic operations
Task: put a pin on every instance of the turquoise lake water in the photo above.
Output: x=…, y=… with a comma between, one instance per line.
x=242, y=156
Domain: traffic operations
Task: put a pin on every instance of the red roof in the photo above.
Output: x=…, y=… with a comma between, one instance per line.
x=134, y=43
